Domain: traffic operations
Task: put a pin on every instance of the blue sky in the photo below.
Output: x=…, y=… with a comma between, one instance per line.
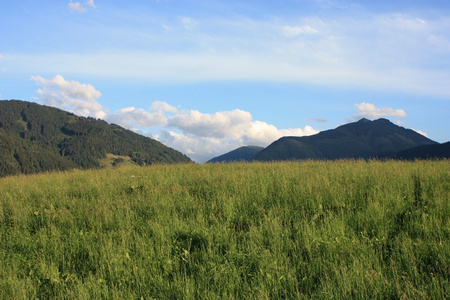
x=206, y=77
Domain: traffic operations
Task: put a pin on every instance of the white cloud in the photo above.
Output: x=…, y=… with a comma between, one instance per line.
x=234, y=125
x=199, y=149
x=260, y=133
x=369, y=111
x=1, y=56
x=292, y=31
x=217, y=125
x=200, y=135
x=202, y=148
x=78, y=6
x=73, y=96
x=420, y=132
x=130, y=116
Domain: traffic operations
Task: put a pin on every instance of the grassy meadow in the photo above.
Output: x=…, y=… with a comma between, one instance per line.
x=288, y=230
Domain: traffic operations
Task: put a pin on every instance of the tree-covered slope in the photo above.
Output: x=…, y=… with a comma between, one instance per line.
x=362, y=139
x=21, y=156
x=36, y=138
x=437, y=151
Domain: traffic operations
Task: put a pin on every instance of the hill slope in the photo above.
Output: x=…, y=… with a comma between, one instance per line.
x=438, y=151
x=362, y=139
x=36, y=138
x=245, y=153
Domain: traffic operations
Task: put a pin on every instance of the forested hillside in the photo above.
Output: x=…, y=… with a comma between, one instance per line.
x=36, y=138
x=438, y=151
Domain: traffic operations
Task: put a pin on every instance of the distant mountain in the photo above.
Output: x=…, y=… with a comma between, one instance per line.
x=35, y=138
x=245, y=153
x=437, y=151
x=362, y=139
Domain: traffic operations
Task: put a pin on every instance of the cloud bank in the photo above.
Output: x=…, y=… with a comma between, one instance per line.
x=369, y=111
x=199, y=135
x=73, y=96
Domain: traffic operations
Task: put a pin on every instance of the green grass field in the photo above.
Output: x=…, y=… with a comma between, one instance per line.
x=291, y=230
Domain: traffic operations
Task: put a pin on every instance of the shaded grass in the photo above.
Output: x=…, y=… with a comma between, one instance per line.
x=343, y=229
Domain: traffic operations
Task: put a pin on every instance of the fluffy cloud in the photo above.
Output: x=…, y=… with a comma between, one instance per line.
x=217, y=125
x=73, y=96
x=200, y=135
x=420, y=132
x=369, y=111
x=236, y=125
x=201, y=148
x=131, y=117
x=260, y=133
x=78, y=6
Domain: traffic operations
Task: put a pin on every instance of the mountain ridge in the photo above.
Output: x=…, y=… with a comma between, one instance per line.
x=361, y=139
x=244, y=153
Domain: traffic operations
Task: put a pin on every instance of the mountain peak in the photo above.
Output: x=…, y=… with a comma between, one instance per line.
x=379, y=120
x=383, y=120
x=361, y=139
x=363, y=120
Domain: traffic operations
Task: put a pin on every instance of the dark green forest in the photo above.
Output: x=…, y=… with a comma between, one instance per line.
x=439, y=151
x=36, y=138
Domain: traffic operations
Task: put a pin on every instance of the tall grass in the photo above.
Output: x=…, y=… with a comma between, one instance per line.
x=343, y=229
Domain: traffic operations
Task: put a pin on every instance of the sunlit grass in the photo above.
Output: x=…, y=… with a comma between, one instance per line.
x=344, y=229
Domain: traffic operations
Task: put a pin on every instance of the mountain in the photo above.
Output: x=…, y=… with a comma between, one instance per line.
x=362, y=139
x=437, y=151
x=245, y=153
x=35, y=138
